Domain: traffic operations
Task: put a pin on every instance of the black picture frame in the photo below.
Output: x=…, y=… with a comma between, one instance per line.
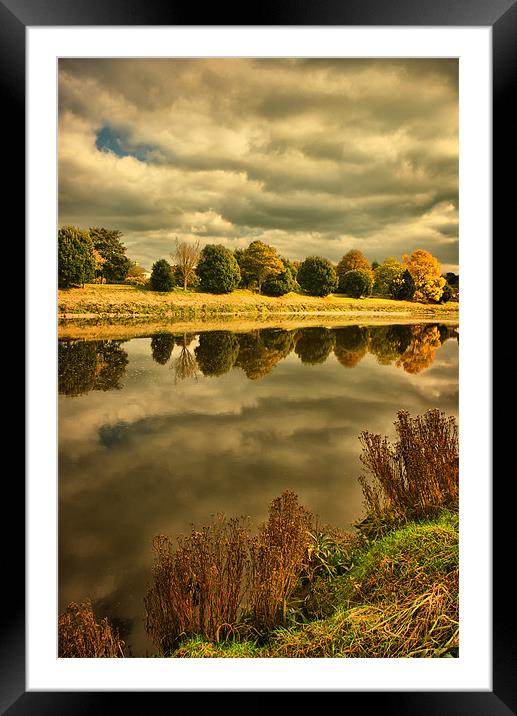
x=501, y=16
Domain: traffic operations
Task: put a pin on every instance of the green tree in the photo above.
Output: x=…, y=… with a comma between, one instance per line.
x=447, y=294
x=385, y=274
x=218, y=269
x=115, y=265
x=452, y=279
x=426, y=272
x=116, y=268
x=162, y=277
x=317, y=276
x=260, y=261
x=356, y=283
x=76, y=260
x=279, y=284
x=403, y=288
x=216, y=352
x=351, y=261
x=291, y=266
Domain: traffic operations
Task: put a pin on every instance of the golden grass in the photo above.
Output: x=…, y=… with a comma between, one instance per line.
x=122, y=300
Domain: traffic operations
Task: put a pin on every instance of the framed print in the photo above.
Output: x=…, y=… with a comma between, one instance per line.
x=92, y=85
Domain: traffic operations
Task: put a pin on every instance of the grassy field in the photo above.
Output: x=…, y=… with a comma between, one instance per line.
x=120, y=301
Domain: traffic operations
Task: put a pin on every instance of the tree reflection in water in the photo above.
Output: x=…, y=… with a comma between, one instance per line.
x=351, y=345
x=100, y=365
x=185, y=365
x=313, y=345
x=261, y=350
x=90, y=365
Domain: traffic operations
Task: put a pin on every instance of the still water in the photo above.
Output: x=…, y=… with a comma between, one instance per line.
x=161, y=432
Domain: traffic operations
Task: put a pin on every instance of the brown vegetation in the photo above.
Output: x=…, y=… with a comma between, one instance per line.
x=415, y=476
x=80, y=636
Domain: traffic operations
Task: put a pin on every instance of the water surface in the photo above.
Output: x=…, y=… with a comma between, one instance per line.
x=161, y=432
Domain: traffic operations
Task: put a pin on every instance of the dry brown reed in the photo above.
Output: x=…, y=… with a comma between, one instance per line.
x=80, y=636
x=222, y=581
x=415, y=476
x=278, y=556
x=197, y=585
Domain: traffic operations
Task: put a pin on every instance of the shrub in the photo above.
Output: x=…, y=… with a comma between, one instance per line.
x=162, y=276
x=75, y=257
x=279, y=285
x=80, y=636
x=356, y=283
x=218, y=270
x=418, y=474
x=317, y=276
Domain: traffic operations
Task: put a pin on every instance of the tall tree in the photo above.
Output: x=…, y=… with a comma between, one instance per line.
x=385, y=273
x=186, y=258
x=75, y=257
x=426, y=272
x=115, y=265
x=260, y=261
x=218, y=269
x=351, y=261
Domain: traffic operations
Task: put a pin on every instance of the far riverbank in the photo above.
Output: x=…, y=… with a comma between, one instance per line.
x=113, y=303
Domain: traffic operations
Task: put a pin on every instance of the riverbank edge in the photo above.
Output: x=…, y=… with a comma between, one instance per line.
x=343, y=626
x=122, y=328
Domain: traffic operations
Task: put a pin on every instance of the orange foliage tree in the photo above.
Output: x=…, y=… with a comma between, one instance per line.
x=426, y=272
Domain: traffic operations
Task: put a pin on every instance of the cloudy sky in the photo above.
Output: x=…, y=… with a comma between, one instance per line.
x=312, y=156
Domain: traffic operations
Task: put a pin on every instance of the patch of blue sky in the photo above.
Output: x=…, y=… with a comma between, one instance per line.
x=109, y=139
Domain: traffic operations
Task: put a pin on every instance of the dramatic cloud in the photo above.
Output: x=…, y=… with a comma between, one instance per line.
x=313, y=156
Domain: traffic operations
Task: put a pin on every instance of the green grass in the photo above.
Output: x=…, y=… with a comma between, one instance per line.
x=398, y=599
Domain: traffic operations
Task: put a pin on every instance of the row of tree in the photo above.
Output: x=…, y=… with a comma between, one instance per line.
x=100, y=365
x=216, y=269
x=99, y=254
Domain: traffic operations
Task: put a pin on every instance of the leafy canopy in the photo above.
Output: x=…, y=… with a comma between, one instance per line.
x=76, y=260
x=218, y=269
x=317, y=276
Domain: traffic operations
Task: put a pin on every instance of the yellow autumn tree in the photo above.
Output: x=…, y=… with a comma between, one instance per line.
x=426, y=272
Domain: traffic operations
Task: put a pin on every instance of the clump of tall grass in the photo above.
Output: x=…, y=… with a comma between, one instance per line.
x=198, y=584
x=277, y=557
x=414, y=477
x=223, y=581
x=80, y=636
